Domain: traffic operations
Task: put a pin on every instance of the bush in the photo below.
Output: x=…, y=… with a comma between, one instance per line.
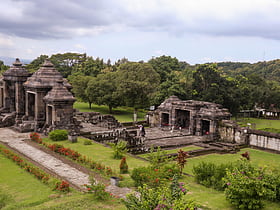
x=160, y=198
x=87, y=142
x=154, y=177
x=58, y=135
x=211, y=175
x=246, y=187
x=123, y=166
x=98, y=190
x=119, y=149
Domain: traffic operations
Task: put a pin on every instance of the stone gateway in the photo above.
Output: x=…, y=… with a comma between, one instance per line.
x=37, y=102
x=193, y=117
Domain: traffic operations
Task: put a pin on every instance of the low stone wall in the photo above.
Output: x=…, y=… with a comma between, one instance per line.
x=230, y=132
x=264, y=140
x=97, y=119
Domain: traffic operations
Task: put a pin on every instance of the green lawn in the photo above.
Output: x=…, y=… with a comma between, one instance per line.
x=207, y=197
x=122, y=114
x=102, y=154
x=22, y=188
x=23, y=191
x=215, y=199
x=257, y=123
x=258, y=157
x=172, y=151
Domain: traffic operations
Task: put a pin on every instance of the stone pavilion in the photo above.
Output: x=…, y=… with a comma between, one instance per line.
x=37, y=102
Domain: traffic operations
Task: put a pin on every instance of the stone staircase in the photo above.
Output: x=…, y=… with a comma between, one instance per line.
x=7, y=119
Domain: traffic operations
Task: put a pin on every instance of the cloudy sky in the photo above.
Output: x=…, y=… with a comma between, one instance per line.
x=195, y=31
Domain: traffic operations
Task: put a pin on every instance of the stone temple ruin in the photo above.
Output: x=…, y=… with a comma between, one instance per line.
x=42, y=102
x=35, y=102
x=192, y=117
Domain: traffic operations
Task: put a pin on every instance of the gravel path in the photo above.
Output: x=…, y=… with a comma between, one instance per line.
x=71, y=174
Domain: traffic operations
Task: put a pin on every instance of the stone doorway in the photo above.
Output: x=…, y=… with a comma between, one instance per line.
x=1, y=97
x=31, y=105
x=164, y=119
x=182, y=118
x=205, y=127
x=49, y=115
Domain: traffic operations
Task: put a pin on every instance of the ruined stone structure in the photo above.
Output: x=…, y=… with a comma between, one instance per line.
x=37, y=102
x=193, y=117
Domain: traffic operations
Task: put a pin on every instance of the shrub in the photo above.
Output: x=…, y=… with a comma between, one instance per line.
x=87, y=142
x=158, y=157
x=211, y=175
x=160, y=198
x=62, y=186
x=36, y=137
x=119, y=149
x=98, y=190
x=181, y=159
x=123, y=166
x=246, y=188
x=58, y=135
x=153, y=177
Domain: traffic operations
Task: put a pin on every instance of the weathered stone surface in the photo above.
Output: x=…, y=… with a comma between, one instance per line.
x=195, y=117
x=40, y=102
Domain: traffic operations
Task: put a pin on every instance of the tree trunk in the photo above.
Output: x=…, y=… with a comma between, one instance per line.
x=89, y=104
x=135, y=115
x=110, y=109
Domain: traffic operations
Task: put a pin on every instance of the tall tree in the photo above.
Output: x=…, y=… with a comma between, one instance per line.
x=137, y=83
x=80, y=84
x=164, y=66
x=36, y=63
x=67, y=62
x=102, y=90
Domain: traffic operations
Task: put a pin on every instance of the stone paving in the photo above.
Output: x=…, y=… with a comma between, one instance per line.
x=16, y=141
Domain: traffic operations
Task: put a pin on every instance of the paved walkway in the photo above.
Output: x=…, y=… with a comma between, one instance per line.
x=71, y=174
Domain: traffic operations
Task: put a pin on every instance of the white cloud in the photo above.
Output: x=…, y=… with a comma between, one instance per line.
x=6, y=42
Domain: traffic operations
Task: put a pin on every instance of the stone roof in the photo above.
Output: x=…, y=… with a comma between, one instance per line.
x=59, y=93
x=16, y=72
x=46, y=77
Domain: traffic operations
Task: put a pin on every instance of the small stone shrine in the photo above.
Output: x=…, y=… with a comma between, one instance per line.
x=37, y=102
x=193, y=117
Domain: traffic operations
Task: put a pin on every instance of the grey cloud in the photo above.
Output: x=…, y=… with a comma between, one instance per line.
x=43, y=19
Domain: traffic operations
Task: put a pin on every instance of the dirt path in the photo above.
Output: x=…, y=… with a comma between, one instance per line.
x=66, y=171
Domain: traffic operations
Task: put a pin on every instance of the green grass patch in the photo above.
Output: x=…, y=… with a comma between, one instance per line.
x=21, y=188
x=258, y=157
x=172, y=151
x=122, y=114
x=79, y=202
x=260, y=124
x=104, y=155
x=214, y=199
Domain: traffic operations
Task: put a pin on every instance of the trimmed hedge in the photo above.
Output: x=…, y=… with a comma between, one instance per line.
x=58, y=135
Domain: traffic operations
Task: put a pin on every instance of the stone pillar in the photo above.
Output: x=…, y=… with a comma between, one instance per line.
x=40, y=107
x=19, y=99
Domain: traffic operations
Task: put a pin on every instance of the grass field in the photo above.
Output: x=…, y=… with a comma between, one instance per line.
x=214, y=199
x=122, y=114
x=257, y=123
x=21, y=190
x=172, y=151
x=28, y=193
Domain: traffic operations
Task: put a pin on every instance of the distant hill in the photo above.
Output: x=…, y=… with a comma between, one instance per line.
x=9, y=60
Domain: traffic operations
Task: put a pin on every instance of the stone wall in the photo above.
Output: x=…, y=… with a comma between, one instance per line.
x=264, y=140
x=230, y=132
x=96, y=119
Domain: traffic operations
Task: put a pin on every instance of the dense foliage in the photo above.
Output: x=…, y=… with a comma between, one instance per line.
x=237, y=86
x=58, y=135
x=245, y=186
x=163, y=198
